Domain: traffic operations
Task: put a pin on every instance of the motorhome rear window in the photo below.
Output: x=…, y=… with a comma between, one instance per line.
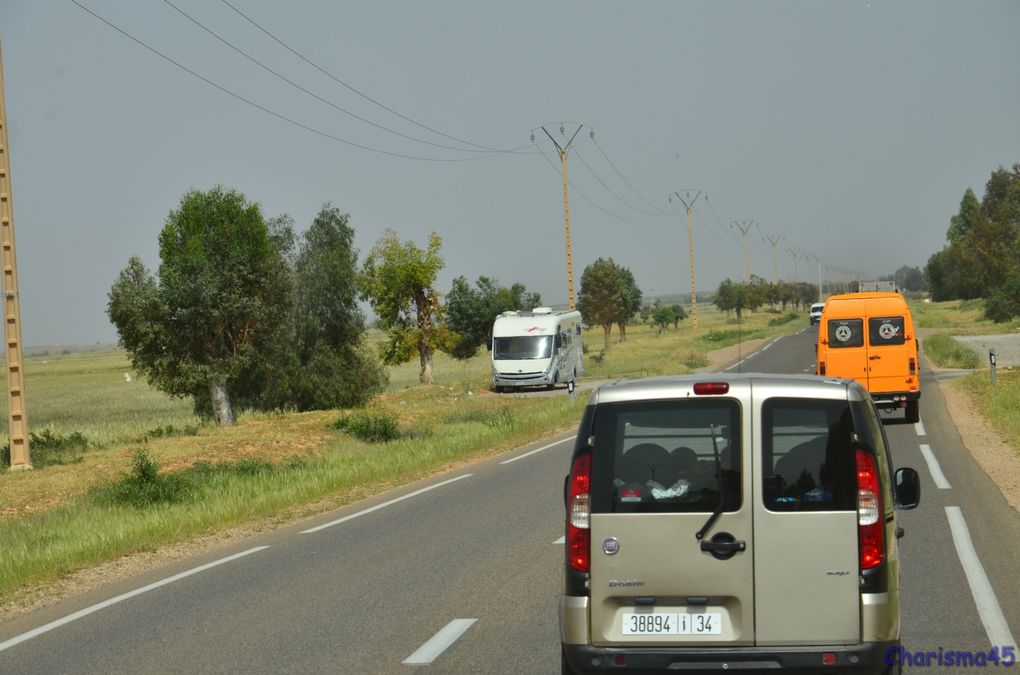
x=807, y=455
x=846, y=333
x=667, y=457
x=884, y=331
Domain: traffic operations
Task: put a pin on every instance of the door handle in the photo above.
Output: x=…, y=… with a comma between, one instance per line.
x=723, y=546
x=873, y=358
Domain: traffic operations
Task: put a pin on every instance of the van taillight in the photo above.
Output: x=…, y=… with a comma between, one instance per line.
x=870, y=524
x=913, y=365
x=711, y=388
x=821, y=367
x=579, y=514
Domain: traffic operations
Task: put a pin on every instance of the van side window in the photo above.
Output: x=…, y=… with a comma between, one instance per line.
x=807, y=455
x=886, y=331
x=846, y=333
x=664, y=457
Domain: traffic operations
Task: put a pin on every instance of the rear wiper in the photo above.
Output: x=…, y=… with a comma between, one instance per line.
x=716, y=434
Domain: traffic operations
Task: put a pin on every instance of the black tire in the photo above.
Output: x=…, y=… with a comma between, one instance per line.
x=566, y=668
x=912, y=413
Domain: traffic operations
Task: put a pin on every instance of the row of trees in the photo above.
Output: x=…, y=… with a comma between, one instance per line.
x=738, y=296
x=980, y=257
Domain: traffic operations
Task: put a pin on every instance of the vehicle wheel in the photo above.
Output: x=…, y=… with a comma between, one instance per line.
x=913, y=412
x=566, y=668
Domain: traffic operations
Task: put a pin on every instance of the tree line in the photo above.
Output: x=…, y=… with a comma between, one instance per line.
x=980, y=258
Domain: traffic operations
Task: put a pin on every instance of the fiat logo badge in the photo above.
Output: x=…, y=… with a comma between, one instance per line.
x=611, y=546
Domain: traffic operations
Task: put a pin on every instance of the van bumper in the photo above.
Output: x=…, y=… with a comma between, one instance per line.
x=871, y=657
x=895, y=399
x=524, y=380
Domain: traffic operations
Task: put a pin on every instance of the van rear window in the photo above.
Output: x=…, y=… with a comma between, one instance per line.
x=807, y=455
x=883, y=331
x=667, y=457
x=846, y=333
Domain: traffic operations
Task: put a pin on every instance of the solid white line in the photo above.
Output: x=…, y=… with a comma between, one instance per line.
x=120, y=598
x=544, y=447
x=984, y=597
x=935, y=469
x=439, y=643
x=561, y=540
x=919, y=428
x=384, y=504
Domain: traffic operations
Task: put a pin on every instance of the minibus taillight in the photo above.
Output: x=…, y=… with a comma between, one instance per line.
x=579, y=514
x=821, y=368
x=870, y=525
x=913, y=365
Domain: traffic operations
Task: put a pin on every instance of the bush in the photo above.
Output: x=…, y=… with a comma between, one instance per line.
x=145, y=485
x=49, y=449
x=786, y=318
x=369, y=426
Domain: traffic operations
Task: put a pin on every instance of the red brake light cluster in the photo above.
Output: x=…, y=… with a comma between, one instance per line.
x=711, y=388
x=579, y=514
x=870, y=522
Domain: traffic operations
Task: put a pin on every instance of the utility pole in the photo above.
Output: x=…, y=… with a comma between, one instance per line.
x=566, y=206
x=775, y=260
x=818, y=260
x=745, y=226
x=18, y=424
x=687, y=199
x=795, y=252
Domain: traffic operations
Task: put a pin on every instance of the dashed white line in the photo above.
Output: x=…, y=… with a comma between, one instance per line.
x=737, y=364
x=561, y=540
x=919, y=428
x=384, y=504
x=544, y=447
x=120, y=598
x=935, y=468
x=984, y=597
x=439, y=643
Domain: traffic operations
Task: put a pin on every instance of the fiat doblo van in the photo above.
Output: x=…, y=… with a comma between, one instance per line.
x=741, y=522
x=870, y=337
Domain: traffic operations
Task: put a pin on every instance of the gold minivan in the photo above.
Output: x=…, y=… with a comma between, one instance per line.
x=732, y=522
x=870, y=337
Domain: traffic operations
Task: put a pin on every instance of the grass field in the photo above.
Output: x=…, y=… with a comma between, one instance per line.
x=57, y=519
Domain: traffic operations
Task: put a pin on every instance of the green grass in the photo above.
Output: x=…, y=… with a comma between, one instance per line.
x=998, y=403
x=112, y=501
x=946, y=352
x=961, y=317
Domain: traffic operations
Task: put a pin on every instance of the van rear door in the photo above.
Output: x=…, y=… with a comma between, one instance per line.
x=846, y=354
x=662, y=468
x=888, y=354
x=805, y=552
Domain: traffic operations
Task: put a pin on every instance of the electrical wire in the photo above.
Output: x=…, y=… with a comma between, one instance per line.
x=609, y=189
x=366, y=96
x=659, y=210
x=271, y=112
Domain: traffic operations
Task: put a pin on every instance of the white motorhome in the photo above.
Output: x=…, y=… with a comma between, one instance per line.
x=536, y=348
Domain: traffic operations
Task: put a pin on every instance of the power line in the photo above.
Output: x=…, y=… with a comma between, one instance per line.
x=271, y=112
x=362, y=94
x=625, y=181
x=306, y=91
x=609, y=189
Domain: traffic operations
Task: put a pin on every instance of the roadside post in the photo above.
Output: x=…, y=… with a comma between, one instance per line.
x=991, y=362
x=570, y=390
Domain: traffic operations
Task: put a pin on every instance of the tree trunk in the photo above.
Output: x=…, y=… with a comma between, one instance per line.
x=606, y=330
x=623, y=332
x=223, y=413
x=425, y=358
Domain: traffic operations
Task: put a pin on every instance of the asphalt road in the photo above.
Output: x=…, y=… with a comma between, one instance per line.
x=461, y=574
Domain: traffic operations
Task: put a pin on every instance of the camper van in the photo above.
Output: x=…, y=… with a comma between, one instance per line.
x=537, y=348
x=870, y=337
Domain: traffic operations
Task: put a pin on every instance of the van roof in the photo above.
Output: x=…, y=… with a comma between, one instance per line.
x=677, y=386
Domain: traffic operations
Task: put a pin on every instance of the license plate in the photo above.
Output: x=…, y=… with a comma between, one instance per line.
x=672, y=623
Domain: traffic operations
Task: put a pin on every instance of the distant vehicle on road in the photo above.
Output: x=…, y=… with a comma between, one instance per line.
x=537, y=348
x=870, y=337
x=816, y=312
x=732, y=522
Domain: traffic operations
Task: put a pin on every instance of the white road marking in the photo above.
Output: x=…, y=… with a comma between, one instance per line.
x=919, y=428
x=384, y=504
x=544, y=447
x=935, y=469
x=561, y=540
x=439, y=643
x=737, y=364
x=120, y=598
x=984, y=597
x=769, y=345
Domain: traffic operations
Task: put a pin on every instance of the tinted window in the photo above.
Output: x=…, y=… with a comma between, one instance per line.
x=807, y=456
x=885, y=331
x=522, y=347
x=846, y=333
x=667, y=456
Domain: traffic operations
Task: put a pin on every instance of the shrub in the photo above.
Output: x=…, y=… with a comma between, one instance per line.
x=370, y=426
x=145, y=485
x=49, y=449
x=786, y=318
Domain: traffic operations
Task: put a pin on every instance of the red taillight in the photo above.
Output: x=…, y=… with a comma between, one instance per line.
x=913, y=366
x=711, y=388
x=870, y=522
x=821, y=368
x=579, y=514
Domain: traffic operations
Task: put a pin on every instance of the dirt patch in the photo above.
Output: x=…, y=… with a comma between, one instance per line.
x=727, y=355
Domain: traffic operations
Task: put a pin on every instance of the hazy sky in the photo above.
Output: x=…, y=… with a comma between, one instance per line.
x=850, y=128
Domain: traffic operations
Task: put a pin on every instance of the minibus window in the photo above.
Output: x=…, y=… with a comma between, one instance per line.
x=846, y=333
x=884, y=331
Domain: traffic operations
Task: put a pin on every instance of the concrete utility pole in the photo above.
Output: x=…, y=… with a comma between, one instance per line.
x=566, y=206
x=795, y=252
x=18, y=422
x=775, y=260
x=688, y=198
x=745, y=226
